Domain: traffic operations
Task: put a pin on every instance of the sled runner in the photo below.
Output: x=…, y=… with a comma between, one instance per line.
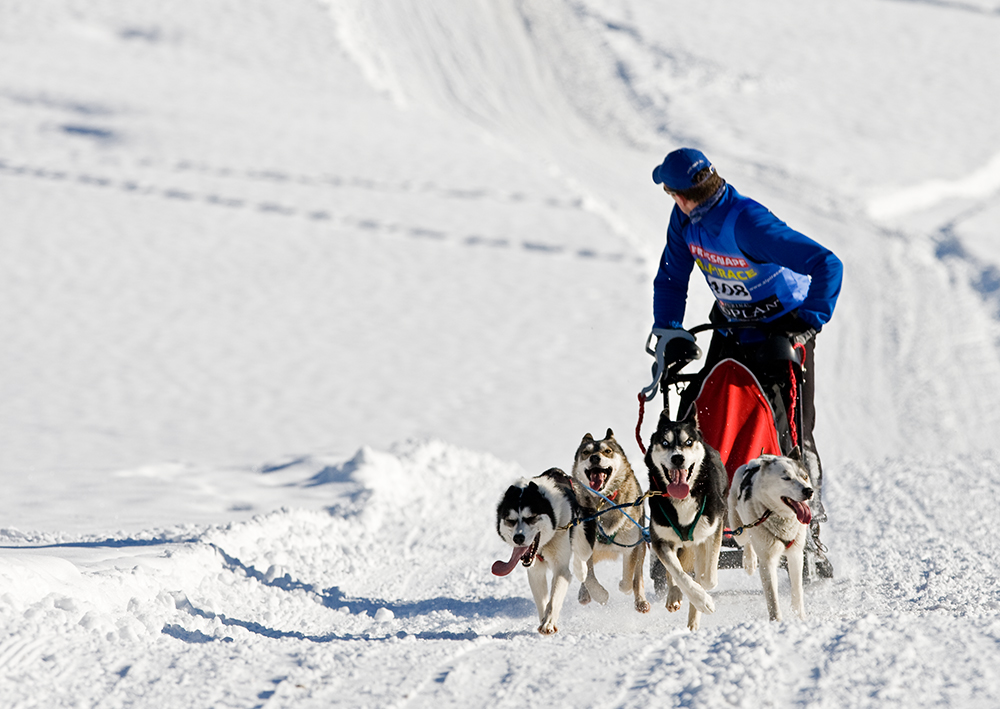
x=734, y=415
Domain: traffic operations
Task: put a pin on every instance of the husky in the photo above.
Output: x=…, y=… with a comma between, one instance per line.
x=688, y=515
x=601, y=465
x=769, y=514
x=540, y=518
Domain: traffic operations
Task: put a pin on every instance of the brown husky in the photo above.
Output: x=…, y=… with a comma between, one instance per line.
x=601, y=465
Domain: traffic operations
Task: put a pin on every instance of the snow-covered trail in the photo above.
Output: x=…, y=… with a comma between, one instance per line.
x=374, y=601
x=294, y=292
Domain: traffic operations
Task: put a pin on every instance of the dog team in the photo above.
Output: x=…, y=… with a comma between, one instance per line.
x=560, y=525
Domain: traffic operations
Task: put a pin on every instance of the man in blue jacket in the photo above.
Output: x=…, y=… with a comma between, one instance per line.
x=759, y=270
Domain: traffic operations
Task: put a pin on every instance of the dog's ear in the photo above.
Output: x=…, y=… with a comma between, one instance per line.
x=795, y=454
x=610, y=434
x=510, y=499
x=692, y=415
x=588, y=437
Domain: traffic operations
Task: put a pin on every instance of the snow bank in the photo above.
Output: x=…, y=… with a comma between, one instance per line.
x=400, y=557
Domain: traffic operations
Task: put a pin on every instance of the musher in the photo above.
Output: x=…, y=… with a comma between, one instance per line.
x=760, y=270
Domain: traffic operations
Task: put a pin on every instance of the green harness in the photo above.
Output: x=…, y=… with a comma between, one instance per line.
x=687, y=533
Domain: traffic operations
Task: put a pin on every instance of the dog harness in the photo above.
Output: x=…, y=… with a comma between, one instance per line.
x=603, y=536
x=685, y=533
x=763, y=518
x=644, y=531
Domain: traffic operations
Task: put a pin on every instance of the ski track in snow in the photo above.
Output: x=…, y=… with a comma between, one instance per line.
x=325, y=214
x=962, y=201
x=980, y=183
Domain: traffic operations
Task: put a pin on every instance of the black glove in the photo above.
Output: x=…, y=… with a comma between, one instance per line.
x=678, y=345
x=792, y=326
x=671, y=346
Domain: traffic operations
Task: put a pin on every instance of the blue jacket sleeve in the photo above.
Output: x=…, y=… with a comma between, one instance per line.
x=765, y=238
x=671, y=282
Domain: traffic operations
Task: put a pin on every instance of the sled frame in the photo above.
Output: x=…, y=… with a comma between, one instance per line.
x=672, y=378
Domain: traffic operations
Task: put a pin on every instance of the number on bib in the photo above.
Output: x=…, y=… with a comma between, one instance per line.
x=729, y=290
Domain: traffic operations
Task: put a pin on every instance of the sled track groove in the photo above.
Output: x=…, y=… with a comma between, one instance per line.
x=324, y=214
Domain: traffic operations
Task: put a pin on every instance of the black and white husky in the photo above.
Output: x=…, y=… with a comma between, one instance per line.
x=603, y=466
x=769, y=508
x=688, y=516
x=538, y=517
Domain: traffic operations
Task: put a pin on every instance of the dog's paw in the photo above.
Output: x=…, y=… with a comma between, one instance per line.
x=694, y=624
x=547, y=629
x=674, y=598
x=749, y=562
x=705, y=604
x=599, y=593
x=642, y=605
x=625, y=586
x=584, y=595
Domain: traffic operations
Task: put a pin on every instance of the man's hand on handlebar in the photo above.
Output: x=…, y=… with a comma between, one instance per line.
x=792, y=326
x=676, y=345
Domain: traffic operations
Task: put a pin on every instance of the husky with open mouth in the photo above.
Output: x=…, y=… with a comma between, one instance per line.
x=769, y=514
x=540, y=519
x=688, y=515
x=602, y=466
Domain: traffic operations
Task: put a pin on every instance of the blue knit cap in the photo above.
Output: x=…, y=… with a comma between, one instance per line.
x=679, y=168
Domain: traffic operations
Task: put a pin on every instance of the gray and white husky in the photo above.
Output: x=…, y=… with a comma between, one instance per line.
x=688, y=516
x=538, y=517
x=769, y=507
x=603, y=466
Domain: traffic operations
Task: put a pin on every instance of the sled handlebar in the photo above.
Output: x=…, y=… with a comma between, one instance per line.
x=670, y=373
x=705, y=327
x=658, y=366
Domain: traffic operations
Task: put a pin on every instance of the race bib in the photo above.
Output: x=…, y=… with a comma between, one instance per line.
x=728, y=289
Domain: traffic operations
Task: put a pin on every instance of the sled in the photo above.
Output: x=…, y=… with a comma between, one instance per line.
x=734, y=415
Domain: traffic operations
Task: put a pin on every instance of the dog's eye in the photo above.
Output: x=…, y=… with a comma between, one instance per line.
x=688, y=443
x=607, y=453
x=531, y=519
x=510, y=522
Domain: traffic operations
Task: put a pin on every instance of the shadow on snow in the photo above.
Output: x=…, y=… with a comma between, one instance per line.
x=335, y=598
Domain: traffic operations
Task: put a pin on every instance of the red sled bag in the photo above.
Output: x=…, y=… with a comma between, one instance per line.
x=734, y=416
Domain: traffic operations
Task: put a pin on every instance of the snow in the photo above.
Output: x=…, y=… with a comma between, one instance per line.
x=294, y=290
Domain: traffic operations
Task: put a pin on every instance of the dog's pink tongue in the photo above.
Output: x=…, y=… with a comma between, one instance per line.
x=501, y=568
x=801, y=509
x=678, y=487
